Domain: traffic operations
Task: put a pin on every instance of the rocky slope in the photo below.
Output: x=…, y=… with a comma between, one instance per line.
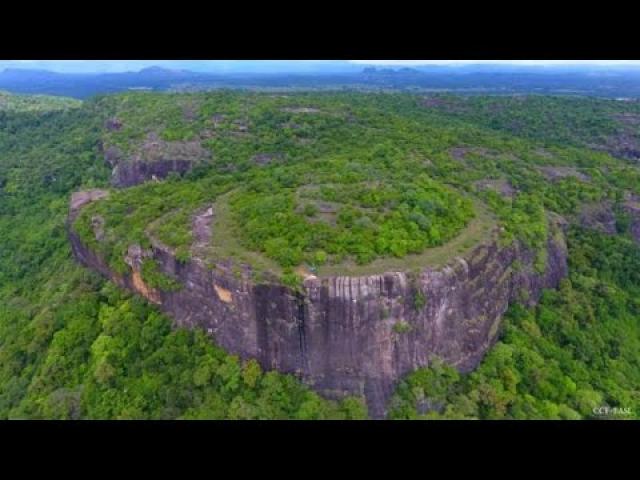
x=152, y=159
x=346, y=335
x=602, y=216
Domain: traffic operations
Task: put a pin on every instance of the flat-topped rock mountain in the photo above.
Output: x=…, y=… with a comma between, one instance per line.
x=340, y=334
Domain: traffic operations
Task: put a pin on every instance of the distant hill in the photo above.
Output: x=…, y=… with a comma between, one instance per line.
x=213, y=67
x=333, y=75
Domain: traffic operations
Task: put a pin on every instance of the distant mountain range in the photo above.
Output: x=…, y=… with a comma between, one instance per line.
x=471, y=79
x=201, y=66
x=290, y=66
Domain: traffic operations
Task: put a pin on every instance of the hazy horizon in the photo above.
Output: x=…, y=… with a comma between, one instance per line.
x=289, y=66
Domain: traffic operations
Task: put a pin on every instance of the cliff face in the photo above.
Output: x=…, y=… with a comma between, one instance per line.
x=134, y=173
x=152, y=159
x=349, y=335
x=364, y=333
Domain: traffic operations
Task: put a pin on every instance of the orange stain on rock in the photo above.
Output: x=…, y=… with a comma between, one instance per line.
x=223, y=294
x=149, y=293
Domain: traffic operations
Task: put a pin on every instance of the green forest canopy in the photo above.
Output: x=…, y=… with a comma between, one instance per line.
x=334, y=179
x=73, y=346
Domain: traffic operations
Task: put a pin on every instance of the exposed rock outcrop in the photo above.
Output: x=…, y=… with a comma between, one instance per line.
x=599, y=217
x=136, y=172
x=266, y=158
x=558, y=173
x=633, y=209
x=602, y=216
x=348, y=335
x=153, y=159
x=80, y=199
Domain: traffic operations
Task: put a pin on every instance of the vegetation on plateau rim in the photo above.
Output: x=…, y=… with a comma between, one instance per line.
x=74, y=346
x=332, y=181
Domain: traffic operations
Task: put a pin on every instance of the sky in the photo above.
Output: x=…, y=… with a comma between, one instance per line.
x=225, y=66
x=504, y=62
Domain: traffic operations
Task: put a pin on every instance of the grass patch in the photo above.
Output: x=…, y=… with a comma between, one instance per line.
x=225, y=245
